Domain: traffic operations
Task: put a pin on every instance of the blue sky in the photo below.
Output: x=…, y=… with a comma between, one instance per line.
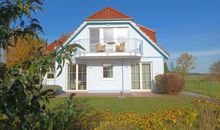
x=181, y=26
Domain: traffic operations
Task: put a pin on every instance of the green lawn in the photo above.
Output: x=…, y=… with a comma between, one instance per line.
x=137, y=104
x=198, y=85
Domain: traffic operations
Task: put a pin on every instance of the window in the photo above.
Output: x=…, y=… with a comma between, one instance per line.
x=107, y=71
x=82, y=77
x=71, y=84
x=76, y=73
x=94, y=38
x=122, y=34
x=135, y=76
x=108, y=35
x=51, y=73
x=146, y=77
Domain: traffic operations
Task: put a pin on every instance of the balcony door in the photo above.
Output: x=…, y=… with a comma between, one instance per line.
x=77, y=77
x=94, y=38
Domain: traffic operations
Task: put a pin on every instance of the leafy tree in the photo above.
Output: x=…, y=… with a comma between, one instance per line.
x=185, y=63
x=22, y=101
x=215, y=68
x=166, y=69
x=16, y=20
x=25, y=49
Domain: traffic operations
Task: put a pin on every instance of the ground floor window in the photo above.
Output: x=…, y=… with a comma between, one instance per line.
x=77, y=77
x=51, y=73
x=107, y=71
x=140, y=76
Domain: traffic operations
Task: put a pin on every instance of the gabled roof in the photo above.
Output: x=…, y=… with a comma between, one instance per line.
x=149, y=32
x=57, y=43
x=108, y=14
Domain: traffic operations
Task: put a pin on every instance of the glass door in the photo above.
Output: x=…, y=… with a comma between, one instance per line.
x=82, y=77
x=146, y=76
x=77, y=77
x=94, y=38
x=71, y=82
x=135, y=77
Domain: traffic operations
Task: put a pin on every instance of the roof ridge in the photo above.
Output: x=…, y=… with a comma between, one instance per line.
x=108, y=13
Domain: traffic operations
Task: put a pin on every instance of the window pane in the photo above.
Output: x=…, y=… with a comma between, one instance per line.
x=146, y=75
x=108, y=35
x=122, y=34
x=71, y=83
x=94, y=38
x=135, y=76
x=51, y=73
x=82, y=77
x=94, y=35
x=107, y=71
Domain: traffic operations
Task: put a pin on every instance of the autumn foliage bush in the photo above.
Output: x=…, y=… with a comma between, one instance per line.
x=172, y=118
x=170, y=83
x=204, y=115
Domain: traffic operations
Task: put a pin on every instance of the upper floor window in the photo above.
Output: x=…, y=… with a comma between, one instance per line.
x=122, y=34
x=108, y=35
x=94, y=35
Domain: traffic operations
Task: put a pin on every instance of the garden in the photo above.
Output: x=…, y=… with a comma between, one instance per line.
x=26, y=104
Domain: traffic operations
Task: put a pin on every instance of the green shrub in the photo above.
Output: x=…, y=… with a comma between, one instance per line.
x=170, y=83
x=66, y=115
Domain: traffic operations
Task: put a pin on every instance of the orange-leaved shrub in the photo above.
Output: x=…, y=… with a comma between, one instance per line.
x=170, y=83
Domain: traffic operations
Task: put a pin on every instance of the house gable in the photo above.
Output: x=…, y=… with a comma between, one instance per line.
x=114, y=17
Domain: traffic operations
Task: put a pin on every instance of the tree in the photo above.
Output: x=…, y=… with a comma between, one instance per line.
x=166, y=69
x=185, y=63
x=16, y=20
x=215, y=68
x=22, y=101
x=25, y=49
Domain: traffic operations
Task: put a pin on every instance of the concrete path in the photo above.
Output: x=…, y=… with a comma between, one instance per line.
x=197, y=95
x=132, y=94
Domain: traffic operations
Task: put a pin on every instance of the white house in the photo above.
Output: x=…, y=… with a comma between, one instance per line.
x=120, y=56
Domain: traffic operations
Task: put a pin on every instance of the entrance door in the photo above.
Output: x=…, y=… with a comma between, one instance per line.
x=77, y=77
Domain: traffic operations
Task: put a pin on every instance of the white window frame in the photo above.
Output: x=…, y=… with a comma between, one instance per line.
x=77, y=78
x=141, y=78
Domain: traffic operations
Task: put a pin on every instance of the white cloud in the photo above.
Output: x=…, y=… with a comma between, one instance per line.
x=214, y=52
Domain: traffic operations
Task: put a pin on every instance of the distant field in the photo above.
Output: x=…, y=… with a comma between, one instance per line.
x=198, y=85
x=136, y=104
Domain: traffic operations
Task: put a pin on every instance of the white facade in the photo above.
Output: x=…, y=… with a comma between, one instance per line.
x=139, y=50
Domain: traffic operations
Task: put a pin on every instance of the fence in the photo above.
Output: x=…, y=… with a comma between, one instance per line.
x=210, y=88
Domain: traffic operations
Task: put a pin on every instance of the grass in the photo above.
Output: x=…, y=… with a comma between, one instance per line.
x=136, y=104
x=198, y=85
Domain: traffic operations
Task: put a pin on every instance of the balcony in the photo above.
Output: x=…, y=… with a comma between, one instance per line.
x=129, y=48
